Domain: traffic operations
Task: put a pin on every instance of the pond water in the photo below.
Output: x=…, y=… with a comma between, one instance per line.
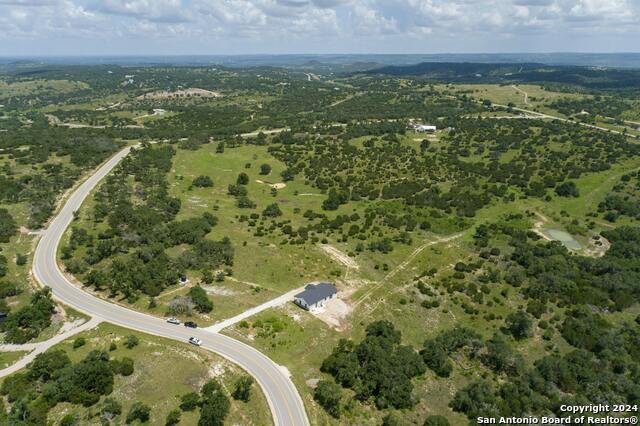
x=564, y=237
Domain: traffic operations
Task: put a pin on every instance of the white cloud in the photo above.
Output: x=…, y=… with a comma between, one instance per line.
x=324, y=22
x=169, y=11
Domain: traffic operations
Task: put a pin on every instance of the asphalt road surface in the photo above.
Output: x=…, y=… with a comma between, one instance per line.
x=283, y=398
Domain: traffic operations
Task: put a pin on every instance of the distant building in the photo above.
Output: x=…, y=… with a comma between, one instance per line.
x=424, y=128
x=315, y=295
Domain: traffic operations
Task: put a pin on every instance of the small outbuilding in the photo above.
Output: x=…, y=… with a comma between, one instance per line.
x=315, y=295
x=424, y=128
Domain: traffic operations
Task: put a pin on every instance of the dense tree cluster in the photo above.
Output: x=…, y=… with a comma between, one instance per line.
x=606, y=371
x=607, y=282
x=8, y=226
x=608, y=106
x=623, y=200
x=379, y=368
x=27, y=322
x=43, y=147
x=52, y=378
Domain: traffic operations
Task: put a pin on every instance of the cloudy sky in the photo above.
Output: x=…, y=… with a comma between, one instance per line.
x=135, y=27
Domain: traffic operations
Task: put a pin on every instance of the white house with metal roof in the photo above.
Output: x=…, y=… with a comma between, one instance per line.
x=315, y=295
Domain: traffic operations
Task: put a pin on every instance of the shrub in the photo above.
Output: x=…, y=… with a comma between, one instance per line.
x=138, y=411
x=21, y=259
x=215, y=405
x=111, y=408
x=567, y=189
x=329, y=395
x=173, y=418
x=131, y=341
x=436, y=421
x=272, y=210
x=265, y=169
x=519, y=325
x=243, y=179
x=242, y=391
x=203, y=182
x=200, y=299
x=189, y=401
x=123, y=367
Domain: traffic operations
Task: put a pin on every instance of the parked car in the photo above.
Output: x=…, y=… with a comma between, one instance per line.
x=191, y=324
x=173, y=320
x=195, y=341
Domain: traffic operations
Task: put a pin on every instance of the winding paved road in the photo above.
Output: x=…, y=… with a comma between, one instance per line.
x=283, y=398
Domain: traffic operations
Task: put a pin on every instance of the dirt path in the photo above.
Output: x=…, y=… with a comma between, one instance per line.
x=406, y=263
x=339, y=256
x=565, y=120
x=419, y=250
x=603, y=186
x=40, y=347
x=537, y=226
x=526, y=95
x=266, y=132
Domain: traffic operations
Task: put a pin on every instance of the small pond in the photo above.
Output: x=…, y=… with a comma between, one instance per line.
x=564, y=237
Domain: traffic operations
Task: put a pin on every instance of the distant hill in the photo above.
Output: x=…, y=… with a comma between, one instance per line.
x=346, y=61
x=596, y=78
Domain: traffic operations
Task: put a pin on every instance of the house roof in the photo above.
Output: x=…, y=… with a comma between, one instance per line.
x=313, y=293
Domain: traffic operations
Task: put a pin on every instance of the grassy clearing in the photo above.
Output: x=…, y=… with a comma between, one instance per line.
x=504, y=94
x=23, y=88
x=9, y=358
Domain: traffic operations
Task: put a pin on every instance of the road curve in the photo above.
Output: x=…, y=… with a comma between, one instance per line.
x=283, y=398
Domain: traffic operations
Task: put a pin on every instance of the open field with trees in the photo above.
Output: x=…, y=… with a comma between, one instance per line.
x=112, y=375
x=486, y=268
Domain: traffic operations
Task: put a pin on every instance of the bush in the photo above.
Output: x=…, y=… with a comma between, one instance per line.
x=138, y=411
x=131, y=341
x=329, y=395
x=265, y=169
x=189, y=401
x=215, y=405
x=519, y=325
x=242, y=391
x=123, y=367
x=21, y=259
x=69, y=420
x=436, y=421
x=567, y=189
x=203, y=182
x=79, y=342
x=200, y=299
x=272, y=210
x=111, y=408
x=173, y=418
x=9, y=289
x=243, y=179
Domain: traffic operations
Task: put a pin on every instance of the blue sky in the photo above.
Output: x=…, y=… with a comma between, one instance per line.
x=170, y=27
